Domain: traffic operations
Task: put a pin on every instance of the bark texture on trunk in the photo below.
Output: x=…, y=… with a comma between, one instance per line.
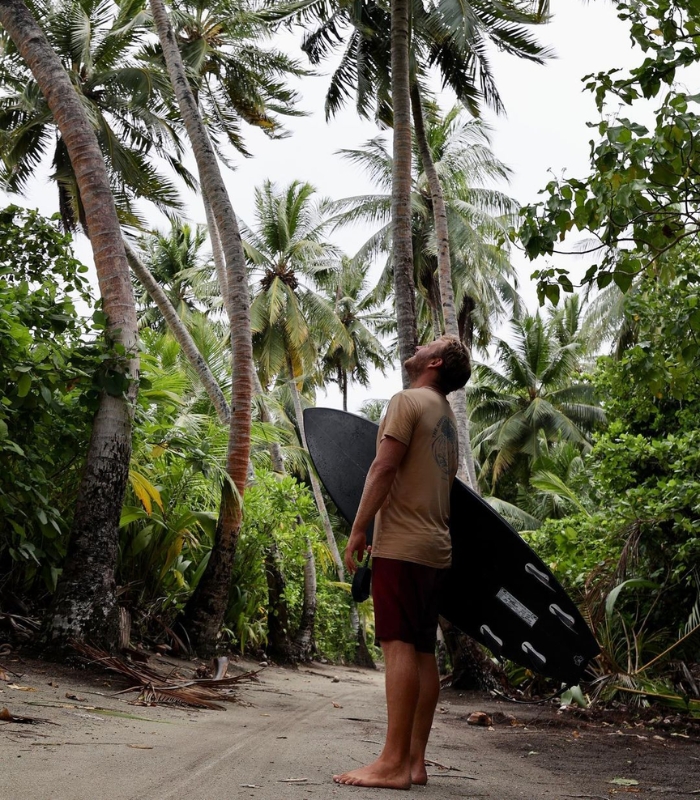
x=180, y=333
x=204, y=612
x=279, y=646
x=362, y=658
x=304, y=646
x=458, y=400
x=402, y=244
x=84, y=605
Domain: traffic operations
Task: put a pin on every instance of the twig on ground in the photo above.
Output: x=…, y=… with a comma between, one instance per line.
x=437, y=764
x=594, y=796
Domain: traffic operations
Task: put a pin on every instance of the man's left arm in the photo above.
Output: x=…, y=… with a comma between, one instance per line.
x=378, y=484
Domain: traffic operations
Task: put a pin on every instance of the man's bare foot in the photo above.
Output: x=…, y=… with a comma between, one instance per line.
x=376, y=775
x=419, y=775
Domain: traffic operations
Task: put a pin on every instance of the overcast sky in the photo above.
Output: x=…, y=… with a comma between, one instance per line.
x=544, y=130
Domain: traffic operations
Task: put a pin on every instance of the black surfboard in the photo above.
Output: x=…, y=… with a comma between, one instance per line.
x=498, y=590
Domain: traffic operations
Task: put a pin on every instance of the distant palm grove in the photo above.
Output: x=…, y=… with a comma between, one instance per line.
x=155, y=483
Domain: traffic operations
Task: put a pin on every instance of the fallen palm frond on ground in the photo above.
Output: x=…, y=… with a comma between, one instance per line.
x=22, y=627
x=171, y=689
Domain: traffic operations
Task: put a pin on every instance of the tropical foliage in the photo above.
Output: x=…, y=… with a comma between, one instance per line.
x=593, y=456
x=100, y=43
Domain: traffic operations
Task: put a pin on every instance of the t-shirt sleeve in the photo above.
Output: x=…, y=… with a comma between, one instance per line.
x=402, y=415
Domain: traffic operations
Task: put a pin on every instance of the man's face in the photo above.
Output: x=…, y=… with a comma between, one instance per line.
x=425, y=354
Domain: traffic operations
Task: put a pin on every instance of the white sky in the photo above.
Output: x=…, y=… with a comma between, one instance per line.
x=545, y=129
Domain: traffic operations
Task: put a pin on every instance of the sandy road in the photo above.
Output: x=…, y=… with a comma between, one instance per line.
x=290, y=733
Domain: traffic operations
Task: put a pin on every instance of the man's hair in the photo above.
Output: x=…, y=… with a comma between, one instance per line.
x=456, y=365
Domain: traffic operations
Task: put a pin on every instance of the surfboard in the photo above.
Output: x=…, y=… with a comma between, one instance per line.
x=498, y=590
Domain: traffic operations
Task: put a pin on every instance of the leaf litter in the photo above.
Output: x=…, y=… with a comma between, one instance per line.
x=156, y=688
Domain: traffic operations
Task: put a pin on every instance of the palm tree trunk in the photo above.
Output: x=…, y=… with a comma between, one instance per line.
x=458, y=400
x=218, y=256
x=315, y=485
x=180, y=333
x=363, y=657
x=304, y=641
x=279, y=645
x=204, y=612
x=275, y=450
x=402, y=246
x=84, y=605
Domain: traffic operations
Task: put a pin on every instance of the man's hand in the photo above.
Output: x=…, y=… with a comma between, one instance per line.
x=357, y=544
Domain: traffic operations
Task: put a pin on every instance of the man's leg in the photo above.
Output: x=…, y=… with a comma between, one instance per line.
x=392, y=770
x=425, y=711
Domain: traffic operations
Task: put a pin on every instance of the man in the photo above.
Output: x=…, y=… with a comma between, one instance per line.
x=408, y=489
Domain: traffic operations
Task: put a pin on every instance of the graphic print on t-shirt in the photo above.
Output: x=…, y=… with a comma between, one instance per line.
x=445, y=446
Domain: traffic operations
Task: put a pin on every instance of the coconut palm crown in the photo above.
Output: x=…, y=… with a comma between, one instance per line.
x=533, y=397
x=99, y=43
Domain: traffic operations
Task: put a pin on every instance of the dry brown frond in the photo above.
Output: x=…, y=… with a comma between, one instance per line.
x=171, y=689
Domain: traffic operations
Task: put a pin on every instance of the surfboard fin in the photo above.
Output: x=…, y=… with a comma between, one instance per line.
x=563, y=617
x=542, y=577
x=537, y=659
x=493, y=642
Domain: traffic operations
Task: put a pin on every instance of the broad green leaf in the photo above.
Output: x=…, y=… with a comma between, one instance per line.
x=24, y=384
x=632, y=583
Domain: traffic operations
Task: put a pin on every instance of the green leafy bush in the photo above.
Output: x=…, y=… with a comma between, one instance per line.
x=47, y=399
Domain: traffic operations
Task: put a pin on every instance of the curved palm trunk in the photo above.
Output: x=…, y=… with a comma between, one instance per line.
x=180, y=333
x=84, y=605
x=275, y=450
x=402, y=248
x=315, y=485
x=218, y=256
x=204, y=612
x=458, y=400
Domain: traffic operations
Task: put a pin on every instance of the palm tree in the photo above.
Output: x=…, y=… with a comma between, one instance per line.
x=288, y=252
x=380, y=53
x=178, y=263
x=99, y=44
x=362, y=319
x=180, y=332
x=205, y=610
x=234, y=79
x=85, y=602
x=535, y=399
x=477, y=218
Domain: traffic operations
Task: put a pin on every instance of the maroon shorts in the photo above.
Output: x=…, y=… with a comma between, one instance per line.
x=406, y=598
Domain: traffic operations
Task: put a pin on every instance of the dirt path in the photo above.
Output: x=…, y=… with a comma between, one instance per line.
x=295, y=728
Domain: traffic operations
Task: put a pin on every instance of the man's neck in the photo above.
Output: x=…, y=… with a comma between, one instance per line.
x=426, y=381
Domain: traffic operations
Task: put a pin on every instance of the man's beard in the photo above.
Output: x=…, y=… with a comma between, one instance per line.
x=412, y=366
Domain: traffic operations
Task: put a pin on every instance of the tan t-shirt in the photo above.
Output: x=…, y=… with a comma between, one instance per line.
x=412, y=525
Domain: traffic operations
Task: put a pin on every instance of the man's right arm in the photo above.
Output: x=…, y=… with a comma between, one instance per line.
x=378, y=484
